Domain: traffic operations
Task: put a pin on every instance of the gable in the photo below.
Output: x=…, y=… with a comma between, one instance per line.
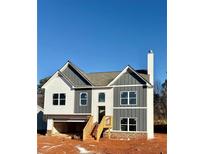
x=59, y=83
x=129, y=78
x=75, y=77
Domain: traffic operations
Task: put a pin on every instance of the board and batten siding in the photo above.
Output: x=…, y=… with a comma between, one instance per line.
x=141, y=95
x=129, y=78
x=75, y=77
x=140, y=114
x=82, y=109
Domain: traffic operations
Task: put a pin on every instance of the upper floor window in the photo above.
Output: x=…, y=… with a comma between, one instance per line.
x=128, y=124
x=59, y=99
x=83, y=99
x=128, y=98
x=101, y=97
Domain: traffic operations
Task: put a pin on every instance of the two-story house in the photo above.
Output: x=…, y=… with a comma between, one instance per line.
x=120, y=101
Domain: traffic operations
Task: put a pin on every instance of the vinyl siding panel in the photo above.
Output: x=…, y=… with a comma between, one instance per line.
x=82, y=109
x=140, y=114
x=75, y=77
x=129, y=78
x=141, y=95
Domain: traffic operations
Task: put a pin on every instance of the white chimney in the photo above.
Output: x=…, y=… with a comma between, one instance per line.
x=150, y=66
x=150, y=96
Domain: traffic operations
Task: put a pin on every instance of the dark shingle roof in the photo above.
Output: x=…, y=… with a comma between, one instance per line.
x=104, y=78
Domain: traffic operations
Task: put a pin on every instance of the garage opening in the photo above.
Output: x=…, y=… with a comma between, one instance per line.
x=73, y=129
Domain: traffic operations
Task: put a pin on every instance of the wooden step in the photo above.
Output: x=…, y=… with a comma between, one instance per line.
x=94, y=132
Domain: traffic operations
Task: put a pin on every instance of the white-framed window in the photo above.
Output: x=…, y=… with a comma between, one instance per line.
x=59, y=98
x=128, y=97
x=128, y=124
x=101, y=97
x=83, y=99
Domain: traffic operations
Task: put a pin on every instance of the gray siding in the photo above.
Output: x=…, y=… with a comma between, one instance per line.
x=75, y=77
x=129, y=78
x=140, y=114
x=141, y=95
x=82, y=109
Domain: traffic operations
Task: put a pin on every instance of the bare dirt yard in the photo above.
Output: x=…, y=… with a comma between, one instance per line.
x=63, y=145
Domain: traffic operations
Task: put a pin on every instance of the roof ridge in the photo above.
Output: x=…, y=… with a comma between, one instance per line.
x=103, y=72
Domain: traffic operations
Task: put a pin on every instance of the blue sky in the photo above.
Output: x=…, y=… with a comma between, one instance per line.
x=101, y=35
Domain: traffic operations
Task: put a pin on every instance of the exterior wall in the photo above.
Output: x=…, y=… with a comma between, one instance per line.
x=140, y=114
x=141, y=95
x=129, y=78
x=82, y=109
x=139, y=111
x=108, y=102
x=58, y=85
x=75, y=77
x=150, y=113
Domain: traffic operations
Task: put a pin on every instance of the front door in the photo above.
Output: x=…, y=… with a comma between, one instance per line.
x=101, y=113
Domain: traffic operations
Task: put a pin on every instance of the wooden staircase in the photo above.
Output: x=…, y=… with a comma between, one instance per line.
x=95, y=130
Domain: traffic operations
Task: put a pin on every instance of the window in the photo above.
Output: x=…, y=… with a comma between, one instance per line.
x=59, y=99
x=101, y=97
x=83, y=99
x=128, y=97
x=62, y=99
x=132, y=97
x=128, y=124
x=124, y=98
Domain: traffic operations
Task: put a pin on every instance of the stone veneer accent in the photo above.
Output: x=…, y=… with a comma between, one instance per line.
x=125, y=135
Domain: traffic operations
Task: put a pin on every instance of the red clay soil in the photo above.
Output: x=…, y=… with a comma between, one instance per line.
x=63, y=145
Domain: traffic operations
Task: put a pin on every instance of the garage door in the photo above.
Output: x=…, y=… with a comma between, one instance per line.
x=69, y=127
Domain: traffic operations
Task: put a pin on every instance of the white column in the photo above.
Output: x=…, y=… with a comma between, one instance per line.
x=150, y=66
x=49, y=125
x=150, y=113
x=94, y=108
x=150, y=96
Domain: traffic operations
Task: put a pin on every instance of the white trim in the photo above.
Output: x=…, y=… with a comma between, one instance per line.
x=128, y=118
x=128, y=98
x=69, y=121
x=84, y=99
x=99, y=112
x=140, y=76
x=55, y=74
x=113, y=86
x=104, y=97
x=129, y=107
x=79, y=71
x=131, y=85
x=58, y=99
x=67, y=79
x=86, y=114
x=125, y=70
x=118, y=76
x=75, y=114
x=52, y=77
x=94, y=87
x=119, y=131
x=64, y=67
